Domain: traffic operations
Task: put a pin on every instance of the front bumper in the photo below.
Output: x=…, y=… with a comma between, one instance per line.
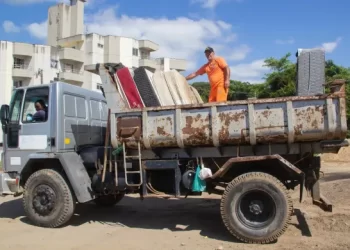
x=8, y=184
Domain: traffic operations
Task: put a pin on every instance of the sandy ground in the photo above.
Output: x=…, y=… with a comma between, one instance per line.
x=192, y=223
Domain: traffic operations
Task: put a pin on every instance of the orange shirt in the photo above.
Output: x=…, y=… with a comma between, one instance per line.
x=215, y=71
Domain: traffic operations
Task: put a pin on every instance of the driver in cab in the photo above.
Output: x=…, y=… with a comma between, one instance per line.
x=40, y=114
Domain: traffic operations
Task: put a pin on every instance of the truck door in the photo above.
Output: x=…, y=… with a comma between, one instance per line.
x=28, y=128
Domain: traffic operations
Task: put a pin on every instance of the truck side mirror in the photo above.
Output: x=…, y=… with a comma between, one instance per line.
x=5, y=114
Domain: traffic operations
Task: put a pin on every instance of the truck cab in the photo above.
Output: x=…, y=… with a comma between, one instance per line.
x=45, y=124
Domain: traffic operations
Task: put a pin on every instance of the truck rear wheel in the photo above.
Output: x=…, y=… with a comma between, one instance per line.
x=256, y=208
x=47, y=199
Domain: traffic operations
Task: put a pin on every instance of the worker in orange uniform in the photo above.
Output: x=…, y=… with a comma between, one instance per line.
x=218, y=74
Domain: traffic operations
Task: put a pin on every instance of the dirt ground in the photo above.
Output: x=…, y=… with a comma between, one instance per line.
x=192, y=223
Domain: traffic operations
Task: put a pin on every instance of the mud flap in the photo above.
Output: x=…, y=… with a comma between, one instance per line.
x=77, y=176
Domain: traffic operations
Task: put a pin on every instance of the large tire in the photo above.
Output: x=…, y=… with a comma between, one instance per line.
x=109, y=200
x=47, y=199
x=256, y=208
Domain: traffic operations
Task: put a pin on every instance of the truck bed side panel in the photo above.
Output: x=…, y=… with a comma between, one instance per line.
x=278, y=120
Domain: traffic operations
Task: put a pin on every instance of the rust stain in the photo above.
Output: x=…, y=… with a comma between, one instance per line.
x=281, y=138
x=197, y=131
x=266, y=113
x=227, y=118
x=161, y=131
x=298, y=129
x=170, y=121
x=129, y=127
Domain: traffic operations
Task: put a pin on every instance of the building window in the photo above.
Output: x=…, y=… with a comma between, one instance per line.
x=99, y=86
x=145, y=55
x=68, y=67
x=100, y=45
x=54, y=64
x=18, y=63
x=17, y=84
x=135, y=52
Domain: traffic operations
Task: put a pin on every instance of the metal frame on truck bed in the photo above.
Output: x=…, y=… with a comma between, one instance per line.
x=90, y=147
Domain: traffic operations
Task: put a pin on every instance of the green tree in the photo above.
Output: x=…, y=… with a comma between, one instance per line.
x=333, y=72
x=203, y=89
x=281, y=79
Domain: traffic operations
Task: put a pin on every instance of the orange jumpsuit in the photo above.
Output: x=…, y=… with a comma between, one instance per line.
x=215, y=71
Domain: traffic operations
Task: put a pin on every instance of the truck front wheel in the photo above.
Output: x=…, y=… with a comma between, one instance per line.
x=256, y=208
x=47, y=199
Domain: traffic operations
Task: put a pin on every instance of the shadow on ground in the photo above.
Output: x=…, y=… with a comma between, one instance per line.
x=152, y=213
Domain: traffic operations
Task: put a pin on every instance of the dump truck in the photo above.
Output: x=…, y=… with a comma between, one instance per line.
x=93, y=147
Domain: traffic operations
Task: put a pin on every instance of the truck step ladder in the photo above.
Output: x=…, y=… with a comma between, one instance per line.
x=138, y=171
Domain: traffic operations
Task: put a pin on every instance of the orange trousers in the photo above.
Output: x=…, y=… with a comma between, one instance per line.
x=218, y=94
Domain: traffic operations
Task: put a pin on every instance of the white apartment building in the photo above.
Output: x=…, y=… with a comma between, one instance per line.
x=68, y=51
x=76, y=49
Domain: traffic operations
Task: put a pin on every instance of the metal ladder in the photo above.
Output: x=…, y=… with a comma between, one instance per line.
x=139, y=168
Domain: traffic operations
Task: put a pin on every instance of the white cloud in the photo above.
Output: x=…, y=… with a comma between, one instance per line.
x=10, y=27
x=38, y=30
x=22, y=2
x=288, y=41
x=88, y=4
x=177, y=38
x=211, y=4
x=252, y=72
x=181, y=37
x=331, y=46
x=239, y=53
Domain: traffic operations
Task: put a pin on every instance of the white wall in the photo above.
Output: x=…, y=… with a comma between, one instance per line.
x=42, y=61
x=65, y=21
x=94, y=53
x=126, y=57
x=112, y=49
x=135, y=59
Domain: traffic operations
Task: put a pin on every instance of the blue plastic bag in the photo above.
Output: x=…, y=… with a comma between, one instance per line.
x=198, y=184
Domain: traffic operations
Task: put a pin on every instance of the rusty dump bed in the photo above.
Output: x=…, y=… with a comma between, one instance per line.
x=261, y=121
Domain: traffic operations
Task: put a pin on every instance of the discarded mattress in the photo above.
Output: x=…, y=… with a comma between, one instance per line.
x=174, y=90
x=196, y=95
x=182, y=87
x=145, y=87
x=129, y=88
x=310, y=72
x=150, y=76
x=161, y=87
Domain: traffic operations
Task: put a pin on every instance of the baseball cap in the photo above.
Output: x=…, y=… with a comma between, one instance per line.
x=208, y=49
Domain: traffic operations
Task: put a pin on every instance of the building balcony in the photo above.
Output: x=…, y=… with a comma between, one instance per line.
x=72, y=76
x=71, y=41
x=22, y=71
x=148, y=63
x=70, y=54
x=148, y=45
x=171, y=63
x=23, y=49
x=177, y=64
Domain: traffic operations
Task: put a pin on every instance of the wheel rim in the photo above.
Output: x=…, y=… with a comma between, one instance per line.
x=44, y=199
x=256, y=209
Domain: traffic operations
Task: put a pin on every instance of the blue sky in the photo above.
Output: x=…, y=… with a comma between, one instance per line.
x=244, y=32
